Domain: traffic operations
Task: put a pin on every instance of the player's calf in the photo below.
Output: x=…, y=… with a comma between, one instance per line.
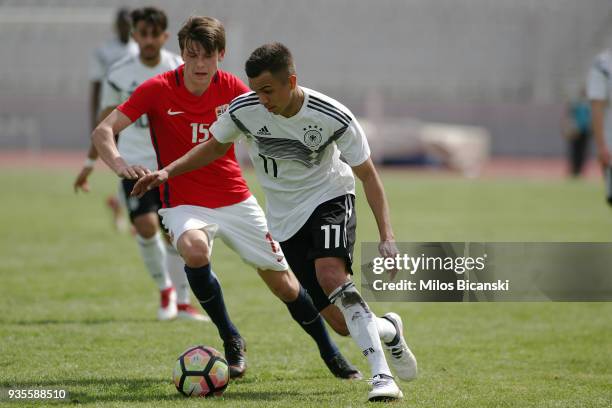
x=193, y=247
x=333, y=316
x=283, y=284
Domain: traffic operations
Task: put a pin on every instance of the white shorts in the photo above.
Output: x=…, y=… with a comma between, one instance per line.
x=241, y=226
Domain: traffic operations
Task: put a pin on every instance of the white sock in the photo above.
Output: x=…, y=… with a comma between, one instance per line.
x=386, y=329
x=153, y=252
x=361, y=323
x=176, y=267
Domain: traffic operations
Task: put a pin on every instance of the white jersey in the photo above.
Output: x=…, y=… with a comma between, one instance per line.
x=123, y=78
x=599, y=87
x=107, y=54
x=297, y=159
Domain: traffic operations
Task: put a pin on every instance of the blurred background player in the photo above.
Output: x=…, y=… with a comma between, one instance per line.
x=102, y=59
x=577, y=131
x=106, y=55
x=599, y=86
x=161, y=260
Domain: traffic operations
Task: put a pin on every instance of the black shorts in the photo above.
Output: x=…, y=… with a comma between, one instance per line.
x=149, y=202
x=329, y=232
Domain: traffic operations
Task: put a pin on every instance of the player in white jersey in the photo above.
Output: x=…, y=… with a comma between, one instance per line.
x=599, y=92
x=106, y=55
x=100, y=62
x=305, y=147
x=161, y=259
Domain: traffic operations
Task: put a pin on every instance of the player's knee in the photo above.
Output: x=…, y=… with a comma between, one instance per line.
x=146, y=231
x=195, y=255
x=193, y=248
x=195, y=259
x=331, y=273
x=145, y=226
x=327, y=282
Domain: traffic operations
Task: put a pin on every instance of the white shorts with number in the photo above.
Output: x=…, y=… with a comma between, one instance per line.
x=241, y=226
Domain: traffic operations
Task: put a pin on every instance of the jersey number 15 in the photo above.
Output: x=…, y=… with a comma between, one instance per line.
x=199, y=132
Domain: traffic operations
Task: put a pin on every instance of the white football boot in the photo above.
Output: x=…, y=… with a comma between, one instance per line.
x=167, y=305
x=402, y=360
x=188, y=312
x=384, y=388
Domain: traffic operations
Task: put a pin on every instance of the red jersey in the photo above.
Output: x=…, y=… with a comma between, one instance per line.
x=179, y=121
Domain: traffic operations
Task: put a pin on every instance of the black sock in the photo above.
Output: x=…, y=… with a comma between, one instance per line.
x=207, y=290
x=304, y=312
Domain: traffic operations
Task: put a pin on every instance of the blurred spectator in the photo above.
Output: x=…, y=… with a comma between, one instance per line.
x=577, y=131
x=598, y=92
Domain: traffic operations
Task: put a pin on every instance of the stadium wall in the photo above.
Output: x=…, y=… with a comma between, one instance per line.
x=507, y=65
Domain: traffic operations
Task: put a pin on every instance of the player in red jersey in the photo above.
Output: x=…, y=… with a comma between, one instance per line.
x=214, y=200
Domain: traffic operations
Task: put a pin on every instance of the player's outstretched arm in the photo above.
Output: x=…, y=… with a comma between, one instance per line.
x=197, y=157
x=375, y=194
x=597, y=112
x=104, y=142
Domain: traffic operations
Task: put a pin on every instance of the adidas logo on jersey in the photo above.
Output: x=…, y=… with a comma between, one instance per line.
x=264, y=131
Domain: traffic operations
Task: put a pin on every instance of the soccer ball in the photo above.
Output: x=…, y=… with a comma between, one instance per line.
x=201, y=371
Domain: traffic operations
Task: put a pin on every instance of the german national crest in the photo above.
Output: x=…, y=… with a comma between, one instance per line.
x=313, y=137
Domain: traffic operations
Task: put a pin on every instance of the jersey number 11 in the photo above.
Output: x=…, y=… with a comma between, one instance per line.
x=274, y=165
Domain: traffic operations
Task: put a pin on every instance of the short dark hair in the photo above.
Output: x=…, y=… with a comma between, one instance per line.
x=123, y=16
x=152, y=16
x=274, y=57
x=206, y=31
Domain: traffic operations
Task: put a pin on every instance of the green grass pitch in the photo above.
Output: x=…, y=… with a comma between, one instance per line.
x=77, y=309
